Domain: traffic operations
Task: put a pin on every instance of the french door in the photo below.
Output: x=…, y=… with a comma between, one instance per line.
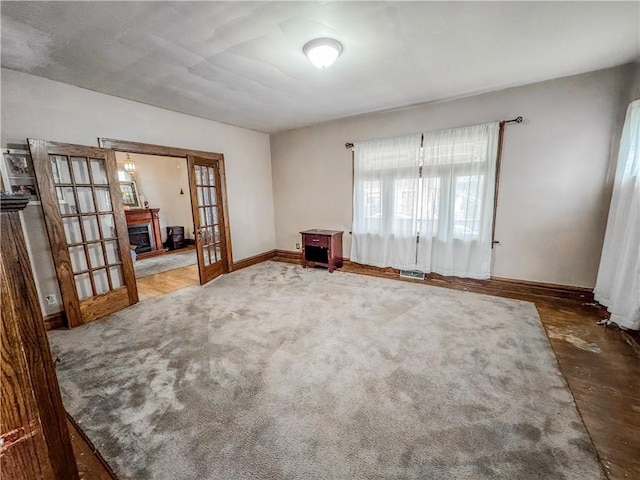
x=87, y=229
x=208, y=215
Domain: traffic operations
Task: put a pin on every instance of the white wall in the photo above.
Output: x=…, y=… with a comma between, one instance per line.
x=39, y=108
x=159, y=181
x=554, y=189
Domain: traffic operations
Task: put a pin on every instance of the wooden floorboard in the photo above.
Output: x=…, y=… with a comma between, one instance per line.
x=167, y=282
x=89, y=464
x=600, y=365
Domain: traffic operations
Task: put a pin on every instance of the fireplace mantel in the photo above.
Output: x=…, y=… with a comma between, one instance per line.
x=147, y=216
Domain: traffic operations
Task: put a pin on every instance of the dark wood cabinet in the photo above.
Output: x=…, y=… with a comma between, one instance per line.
x=322, y=248
x=35, y=440
x=175, y=238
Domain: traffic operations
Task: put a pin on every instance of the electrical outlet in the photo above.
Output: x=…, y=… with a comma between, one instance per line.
x=51, y=299
x=297, y=246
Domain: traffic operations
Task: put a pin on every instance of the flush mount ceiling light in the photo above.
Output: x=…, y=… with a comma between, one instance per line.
x=322, y=52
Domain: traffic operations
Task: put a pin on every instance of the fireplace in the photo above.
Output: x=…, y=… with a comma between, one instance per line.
x=144, y=231
x=140, y=239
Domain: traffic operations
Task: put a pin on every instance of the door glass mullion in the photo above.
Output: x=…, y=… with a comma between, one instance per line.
x=100, y=233
x=81, y=223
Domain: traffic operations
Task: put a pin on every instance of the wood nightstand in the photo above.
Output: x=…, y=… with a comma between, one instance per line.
x=322, y=248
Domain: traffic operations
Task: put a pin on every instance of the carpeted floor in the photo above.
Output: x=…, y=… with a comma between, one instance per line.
x=276, y=372
x=164, y=263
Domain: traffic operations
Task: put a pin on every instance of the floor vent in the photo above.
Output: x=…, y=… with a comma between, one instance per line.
x=416, y=274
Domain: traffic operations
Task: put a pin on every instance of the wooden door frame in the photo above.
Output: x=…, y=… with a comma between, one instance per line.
x=165, y=151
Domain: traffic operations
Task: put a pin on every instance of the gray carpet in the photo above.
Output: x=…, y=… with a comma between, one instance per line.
x=164, y=263
x=276, y=372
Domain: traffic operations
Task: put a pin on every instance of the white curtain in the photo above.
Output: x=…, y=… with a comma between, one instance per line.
x=385, y=202
x=456, y=215
x=618, y=282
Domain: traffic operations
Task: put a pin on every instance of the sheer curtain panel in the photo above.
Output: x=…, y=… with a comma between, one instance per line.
x=618, y=282
x=385, y=202
x=456, y=210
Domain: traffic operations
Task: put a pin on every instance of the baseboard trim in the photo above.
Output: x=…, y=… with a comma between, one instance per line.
x=502, y=287
x=247, y=262
x=55, y=321
x=288, y=257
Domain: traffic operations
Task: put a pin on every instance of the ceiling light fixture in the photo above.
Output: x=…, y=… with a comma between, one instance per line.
x=129, y=165
x=322, y=52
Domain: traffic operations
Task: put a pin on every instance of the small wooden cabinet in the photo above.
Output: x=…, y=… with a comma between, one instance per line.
x=322, y=248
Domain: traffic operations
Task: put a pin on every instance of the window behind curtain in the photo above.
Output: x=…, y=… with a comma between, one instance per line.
x=385, y=201
x=458, y=184
x=441, y=193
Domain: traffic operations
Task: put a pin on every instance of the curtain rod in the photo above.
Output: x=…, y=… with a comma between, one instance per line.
x=513, y=120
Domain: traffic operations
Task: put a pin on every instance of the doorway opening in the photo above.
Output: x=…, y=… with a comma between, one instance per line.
x=208, y=224
x=157, y=203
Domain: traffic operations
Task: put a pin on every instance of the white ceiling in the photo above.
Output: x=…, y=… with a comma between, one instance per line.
x=241, y=63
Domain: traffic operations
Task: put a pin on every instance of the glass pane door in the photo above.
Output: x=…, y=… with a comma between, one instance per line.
x=87, y=228
x=84, y=202
x=208, y=217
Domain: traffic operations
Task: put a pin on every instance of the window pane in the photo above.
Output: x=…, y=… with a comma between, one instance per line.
x=430, y=206
x=80, y=170
x=468, y=205
x=78, y=259
x=200, y=196
x=212, y=177
x=83, y=286
x=116, y=276
x=98, y=171
x=96, y=257
x=101, y=281
x=60, y=169
x=103, y=197
x=66, y=200
x=85, y=200
x=108, y=226
x=113, y=254
x=212, y=196
x=90, y=225
x=72, y=229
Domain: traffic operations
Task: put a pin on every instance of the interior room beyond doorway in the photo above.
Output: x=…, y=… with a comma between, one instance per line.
x=155, y=195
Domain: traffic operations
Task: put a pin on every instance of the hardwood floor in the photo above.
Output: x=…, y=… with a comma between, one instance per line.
x=601, y=366
x=90, y=466
x=167, y=282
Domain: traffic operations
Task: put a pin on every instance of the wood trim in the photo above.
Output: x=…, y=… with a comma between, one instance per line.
x=247, y=262
x=501, y=287
x=55, y=321
x=26, y=353
x=101, y=305
x=222, y=189
x=13, y=203
x=151, y=149
x=166, y=151
x=288, y=257
x=55, y=230
x=128, y=272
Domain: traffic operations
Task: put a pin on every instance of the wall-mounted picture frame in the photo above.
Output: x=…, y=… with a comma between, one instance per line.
x=18, y=175
x=130, y=197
